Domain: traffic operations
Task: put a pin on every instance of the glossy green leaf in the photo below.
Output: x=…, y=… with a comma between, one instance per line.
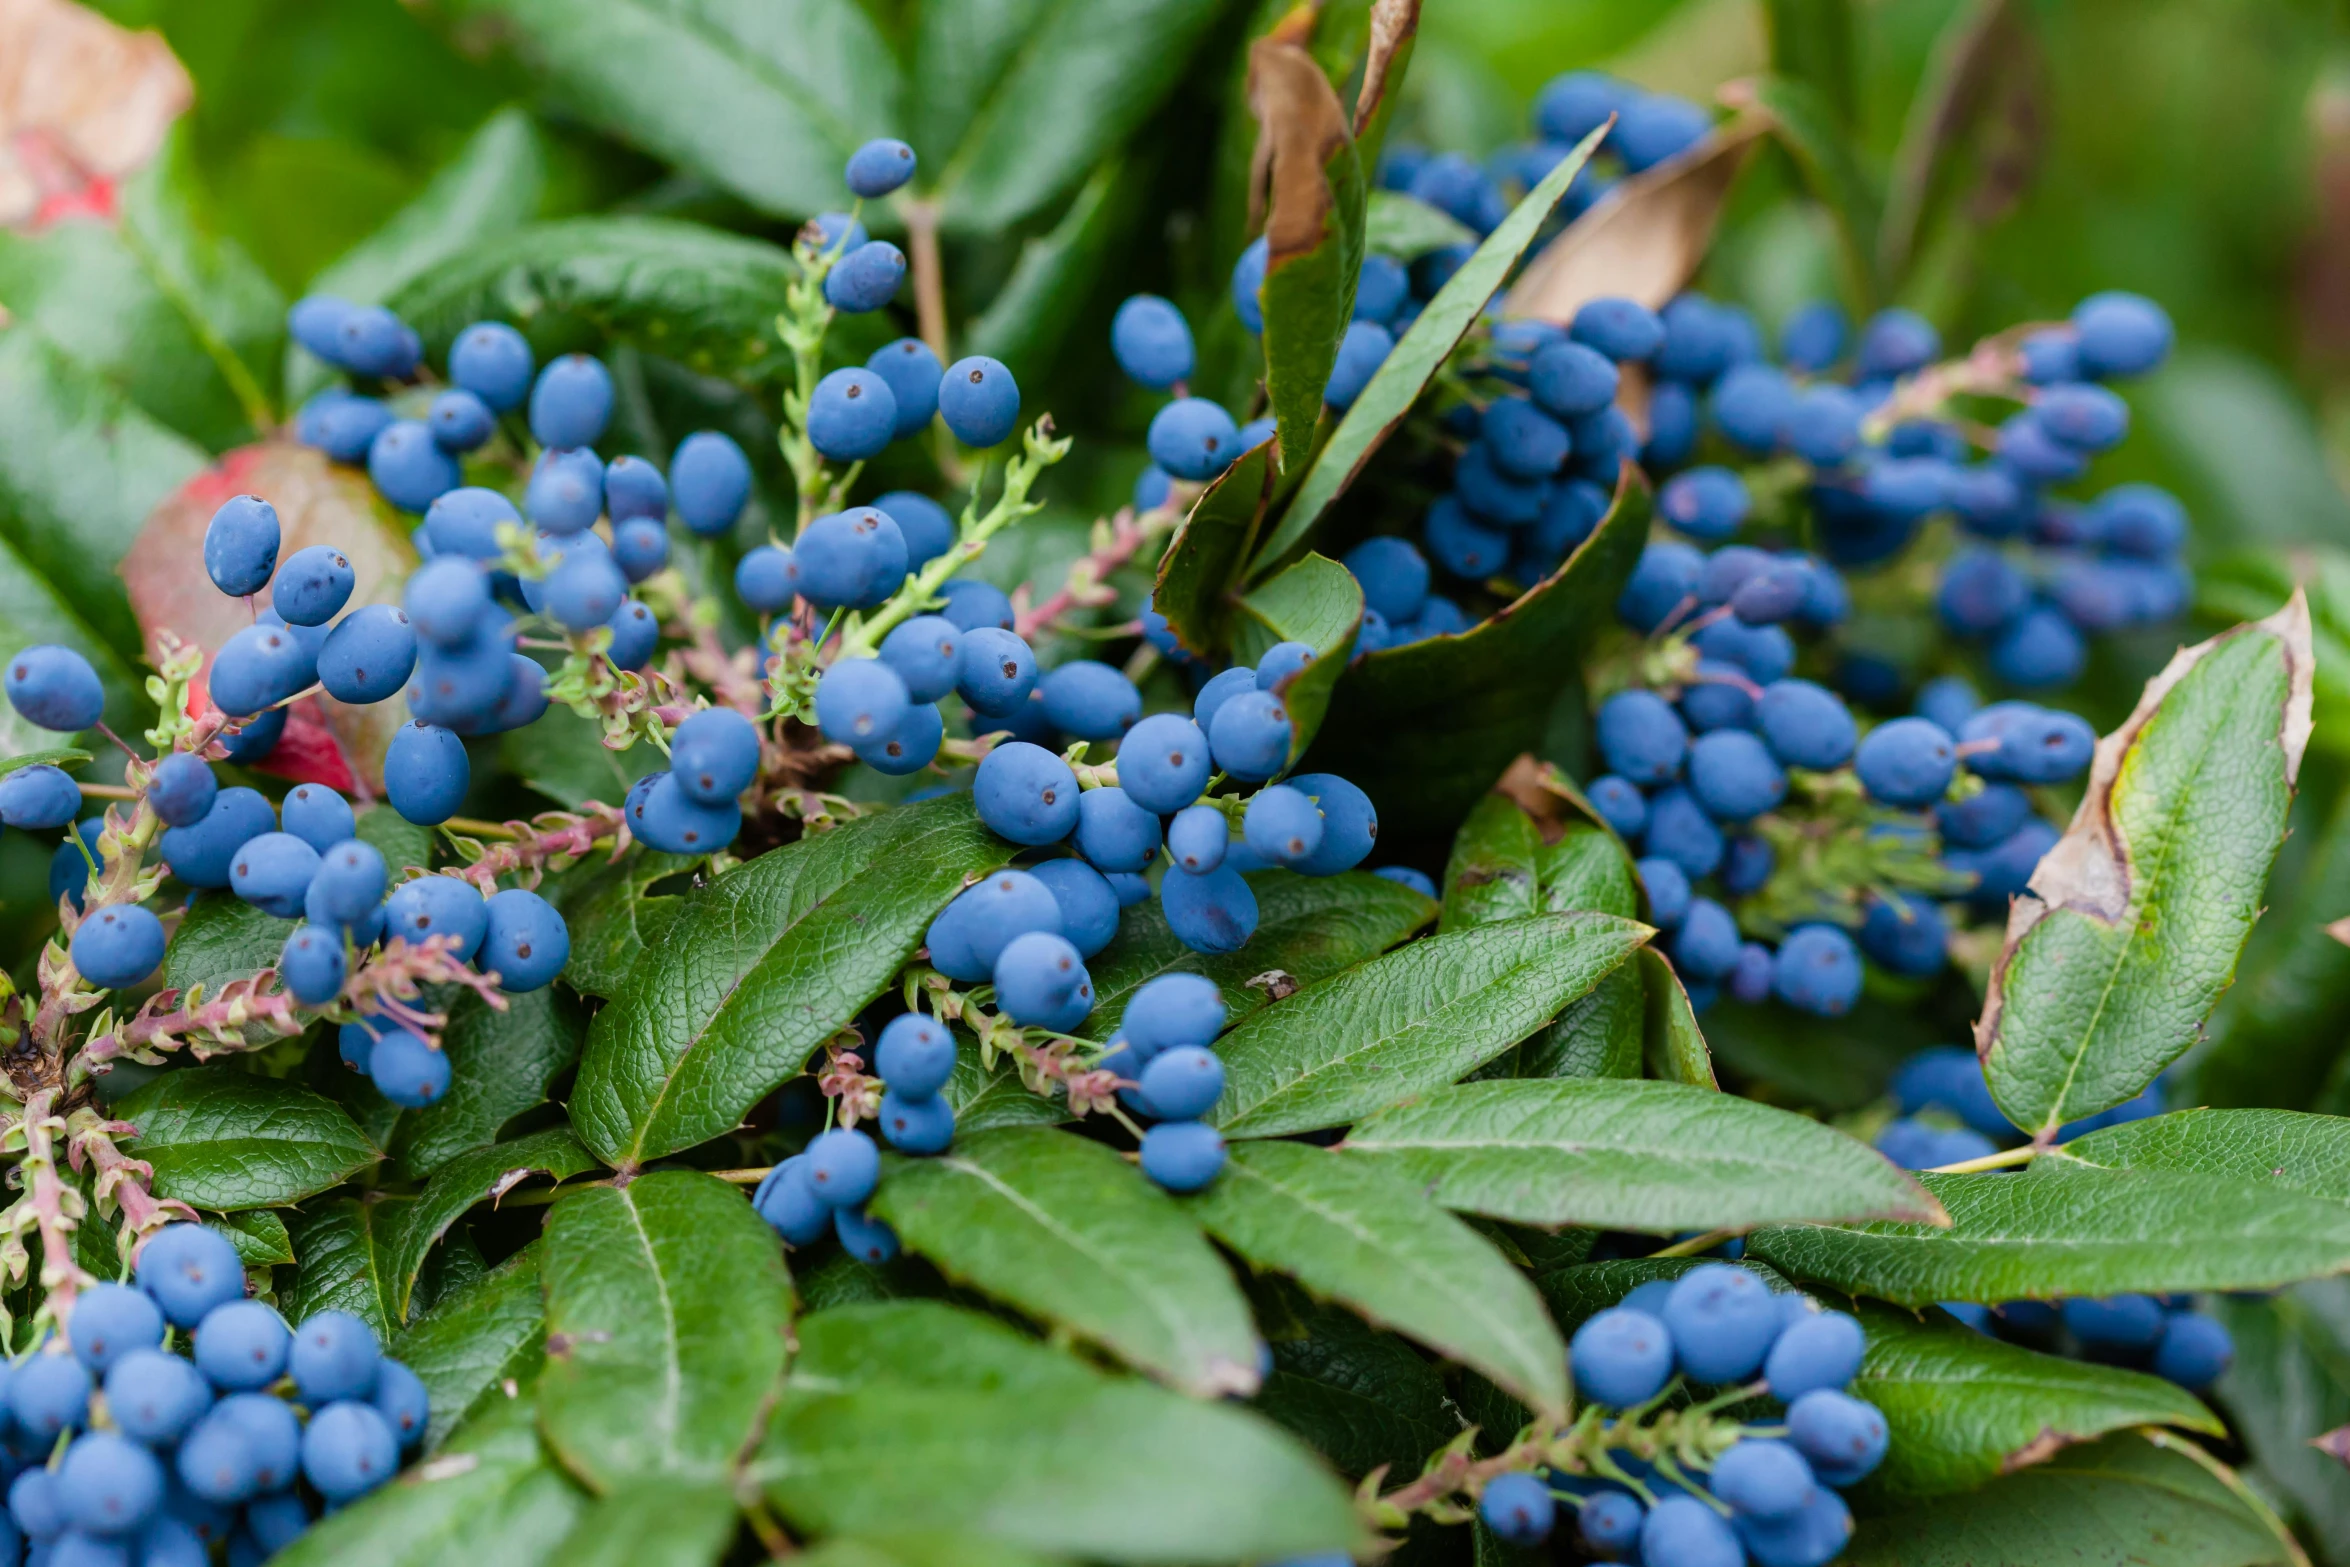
x=919, y=1417
x=654, y=1522
x=260, y=1237
x=1412, y=1021
x=344, y=1250
x=1602, y=1035
x=1203, y=562
x=1475, y=702
x=1421, y=352
x=223, y=938
x=1018, y=103
x=402, y=843
x=1622, y=1155
x=2290, y=1384
x=667, y=1304
x=613, y=918
x=1029, y=318
x=1396, y=225
x=1317, y=602
x=1353, y=1232
x=1805, y=123
x=1816, y=42
x=2136, y=917
x=1361, y=1396
x=2285, y=1149
x=760, y=967
x=2269, y=1040
x=1068, y=1232
x=472, y=1343
x=502, y=1064
x=705, y=298
x=492, y=1496
x=1675, y=1045
x=763, y=98
x=1493, y=873
x=223, y=1139
x=2119, y=1501
x=66, y=757
x=1308, y=928
x=1965, y=1408
x=1587, y=868
x=1314, y=230
x=2063, y=1228
x=484, y=1174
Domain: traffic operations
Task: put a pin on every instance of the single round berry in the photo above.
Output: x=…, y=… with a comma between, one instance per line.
x=767, y=578
x=911, y=746
x=407, y=1069
x=1174, y=1010
x=710, y=482
x=1610, y=1523
x=1041, y=982
x=995, y=670
x=1087, y=902
x=1817, y=970
x=861, y=700
x=1843, y=1437
x=525, y=942
x=1362, y=349
x=856, y=558
x=272, y=871
x=183, y=789
x=1906, y=763
x=915, y=1056
x=2120, y=334
x=493, y=362
x=240, y=546
x=1151, y=341
x=1621, y=1357
x=1251, y=736
x=153, y=1396
x=55, y=688
x=664, y=816
x=313, y=964
x=864, y=280
x=117, y=946
x=348, y=1449
x=49, y=1394
x=879, y=167
x=1182, y=1156
x=1025, y=793
x=864, y=1237
x=1192, y=438
x=369, y=655
x=714, y=755
x=1184, y=1083
x=260, y=667
x=1283, y=826
x=109, y=1321
x=916, y=1126
x=2194, y=1351
x=571, y=402
x=1641, y=737
x=1519, y=1509
x=1734, y=775
x=318, y=816
x=927, y=653
x=1090, y=700
x=1722, y=1321
x=1393, y=576
x=1821, y=1349
x=242, y=1346
x=409, y=467
x=1113, y=832
x=913, y=374
x=843, y=1167
x=187, y=1270
x=108, y=1484
x=1248, y=280
x=439, y=906
x=1215, y=912
x=979, y=401
x=1806, y=725
x=972, y=604
x=1164, y=762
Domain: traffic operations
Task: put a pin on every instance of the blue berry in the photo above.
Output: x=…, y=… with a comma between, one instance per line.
x=854, y=558
x=442, y=906
x=1641, y=737
x=1822, y=425
x=1197, y=838
x=2026, y=446
x=2035, y=745
x=1806, y=725
x=493, y=362
x=1666, y=887
x=767, y=578
x=2120, y=1322
x=860, y=700
x=1282, y=662
x=844, y=1166
x=1705, y=503
x=117, y=946
x=915, y=1056
x=1113, y=832
x=1087, y=903
x=2194, y=1350
x=55, y=688
x=566, y=492
x=242, y=1346
x=1610, y=1523
x=1519, y=1509
x=350, y=879
x=1393, y=576
x=1182, y=1156
x=1750, y=981
x=465, y=522
x=1215, y=912
x=916, y=1126
x=1812, y=339
x=640, y=547
x=153, y=1396
x=1491, y=494
x=2039, y=650
x=835, y=232
x=1282, y=826
x=240, y=546
x=1895, y=343
x=313, y=586
x=1621, y=1357
x=979, y=401
x=1452, y=184
x=1026, y=793
x=571, y=402
x=1905, y=933
x=1174, y=1010
x=635, y=633
x=927, y=527
x=1152, y=488
x=1151, y=341
x=109, y=1485
x=1706, y=947
x=1350, y=824
x=274, y=1522
x=110, y=1321
x=1572, y=380
x=1222, y=688
x=714, y=755
x=1843, y=1437
x=334, y=1356
x=790, y=1205
x=525, y=942
x=911, y=371
x=260, y=667
x=447, y=602
x=407, y=1070
x=316, y=322
x=1183, y=1083
x=2087, y=418
x=199, y=854
x=633, y=488
x=372, y=341
x=710, y=482
x=1090, y=700
x=1406, y=876
x=1191, y=438
x=409, y=467
x=879, y=167
x=272, y=872
x=1821, y=1349
x=1733, y=775
x=1672, y=426
x=1680, y=830
x=187, y=1270
x=996, y=670
x=2120, y=334
x=1722, y=1321
x=341, y=425
x=1763, y=1478
x=1663, y=582
x=1907, y=763
x=1361, y=351
x=1809, y=1537
x=1985, y=818
x=972, y=604
x=1381, y=289
x=663, y=815
x=1248, y=281
x=1775, y=593
x=1041, y=982
x=1007, y=905
x=1251, y=736
x=313, y=964
x=318, y=816
x=1949, y=701
x=863, y=1237
x=1462, y=546
x=49, y=1394
x=864, y=280
x=1654, y=127
x=1719, y=697
x=460, y=421
x=183, y=789
x=426, y=773
x=1817, y=970
x=348, y=1450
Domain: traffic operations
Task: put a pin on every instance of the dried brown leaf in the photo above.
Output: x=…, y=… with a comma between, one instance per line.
x=1301, y=126
x=83, y=103
x=1394, y=25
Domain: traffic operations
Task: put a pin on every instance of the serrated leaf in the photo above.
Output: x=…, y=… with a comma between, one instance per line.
x=767, y=100
x=760, y=967
x=469, y=1178
x=1068, y=1232
x=224, y=1139
x=1417, y=356
x=502, y=1064
x=222, y=937
x=2063, y=1228
x=2290, y=1382
x=2135, y=919
x=1493, y=873
x=491, y=1497
x=1601, y=1035
x=1317, y=602
x=1361, y=1396
x=613, y=918
x=2122, y=1500
x=1308, y=928
x=472, y=1343
x=1203, y=561
x=1586, y=867
x=1473, y=703
x=942, y=1421
x=1414, y=1020
x=654, y=1522
x=344, y=1251
x=703, y=297
x=259, y=1236
x=1623, y=1155
x=2285, y=1149
x=1353, y=1232
x=1396, y=225
x=667, y=1304
x=1675, y=1045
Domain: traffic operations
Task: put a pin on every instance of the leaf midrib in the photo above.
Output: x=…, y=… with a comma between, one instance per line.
x=673, y=1370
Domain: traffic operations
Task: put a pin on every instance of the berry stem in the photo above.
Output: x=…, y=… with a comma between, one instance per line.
x=1116, y=541
x=2004, y=1159
x=1696, y=1245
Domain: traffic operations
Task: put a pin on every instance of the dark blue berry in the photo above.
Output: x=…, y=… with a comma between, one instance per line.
x=1251, y=736
x=1215, y=912
x=854, y=558
x=524, y=942
x=1393, y=576
x=843, y=1167
x=979, y=401
x=199, y=854
x=2120, y=334
x=183, y=789
x=426, y=773
x=187, y=1270
x=879, y=167
x=1519, y=1509
x=864, y=280
x=1362, y=349
x=1817, y=970
x=1191, y=438
x=571, y=402
x=1621, y=1357
x=409, y=467
x=1113, y=832
x=1818, y=1350
x=929, y=530
x=348, y=1449
x=1151, y=341
x=995, y=671
x=117, y=946
x=1026, y=793
x=972, y=604
x=1090, y=700
x=1182, y=1156
x=55, y=688
x=240, y=545
x=493, y=362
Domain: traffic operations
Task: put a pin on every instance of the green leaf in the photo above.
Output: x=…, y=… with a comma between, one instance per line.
x=1475, y=702
x=485, y=1173
x=1832, y=1063
x=705, y=298
x=1308, y=928
x=1601, y=1035
x=2249, y=449
x=981, y=1098
x=1982, y=76
x=1017, y=104
x=1816, y=42
x=402, y=843
x=1064, y=1229
x=613, y=918
x=502, y=1064
x=1964, y=1407
x=1313, y=232
x=761, y=966
x=259, y=1236
x=1619, y=1155
x=667, y=1304
x=222, y=938
x=1396, y=225
x=1416, y=358
x=1675, y=1045
x=1203, y=562
x=1806, y=124
x=225, y=1139
x=1317, y=602
x=493, y=1497
x=1493, y=873
x=766, y=100
x=1409, y=1022
x=2284, y=1149
x=345, y=1252
x=918, y=1417
x=1029, y=318
x=1352, y=1232
x=930, y=1548
x=2290, y=1383
x=2119, y=1501
x=654, y=1522
x=1361, y=1396
x=60, y=756
x=2134, y=921
x=560, y=754
x=472, y=1343
x=2063, y=1228
x=1587, y=868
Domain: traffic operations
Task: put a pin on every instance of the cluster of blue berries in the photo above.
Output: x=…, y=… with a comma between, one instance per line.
x=120, y=1451
x=1765, y=1493
x=825, y=1189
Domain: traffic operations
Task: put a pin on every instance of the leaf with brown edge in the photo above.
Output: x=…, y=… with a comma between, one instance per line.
x=1305, y=178
x=1204, y=560
x=1395, y=28
x=2133, y=923
x=1645, y=238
